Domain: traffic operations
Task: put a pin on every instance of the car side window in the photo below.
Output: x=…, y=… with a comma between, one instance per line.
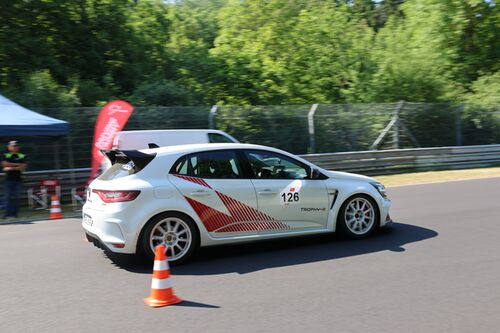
x=269, y=165
x=218, y=138
x=214, y=164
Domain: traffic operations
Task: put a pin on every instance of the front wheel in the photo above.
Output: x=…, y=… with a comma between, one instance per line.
x=358, y=217
x=176, y=231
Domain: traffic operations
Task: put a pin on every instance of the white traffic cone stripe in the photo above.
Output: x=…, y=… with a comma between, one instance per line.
x=161, y=283
x=55, y=210
x=160, y=265
x=55, y=202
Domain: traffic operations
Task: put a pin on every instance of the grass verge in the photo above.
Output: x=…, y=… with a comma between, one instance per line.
x=437, y=176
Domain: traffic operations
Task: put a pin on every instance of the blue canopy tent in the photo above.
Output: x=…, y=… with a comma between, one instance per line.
x=16, y=121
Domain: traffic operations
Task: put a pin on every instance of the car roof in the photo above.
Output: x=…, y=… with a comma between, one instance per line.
x=194, y=148
x=173, y=131
x=205, y=147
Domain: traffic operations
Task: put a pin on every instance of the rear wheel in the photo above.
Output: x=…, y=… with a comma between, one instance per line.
x=358, y=217
x=174, y=230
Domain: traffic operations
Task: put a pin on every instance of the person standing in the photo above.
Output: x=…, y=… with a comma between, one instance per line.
x=13, y=163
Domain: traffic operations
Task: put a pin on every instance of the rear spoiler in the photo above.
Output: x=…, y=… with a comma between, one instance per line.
x=139, y=159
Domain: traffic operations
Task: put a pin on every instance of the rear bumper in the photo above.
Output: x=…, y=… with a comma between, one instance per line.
x=107, y=231
x=96, y=241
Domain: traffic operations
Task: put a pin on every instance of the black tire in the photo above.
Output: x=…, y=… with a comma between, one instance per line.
x=347, y=213
x=161, y=222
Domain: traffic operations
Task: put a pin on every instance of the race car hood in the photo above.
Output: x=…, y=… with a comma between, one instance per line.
x=349, y=176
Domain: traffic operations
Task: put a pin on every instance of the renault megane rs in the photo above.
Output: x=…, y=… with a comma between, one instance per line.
x=193, y=196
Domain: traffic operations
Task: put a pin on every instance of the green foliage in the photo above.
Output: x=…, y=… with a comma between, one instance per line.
x=486, y=90
x=161, y=92
x=91, y=93
x=481, y=115
x=247, y=52
x=41, y=90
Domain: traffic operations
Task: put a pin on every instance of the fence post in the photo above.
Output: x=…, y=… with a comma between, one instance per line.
x=310, y=122
x=211, y=117
x=71, y=162
x=395, y=133
x=57, y=160
x=458, y=124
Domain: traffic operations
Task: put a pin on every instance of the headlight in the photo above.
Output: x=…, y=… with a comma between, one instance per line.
x=380, y=188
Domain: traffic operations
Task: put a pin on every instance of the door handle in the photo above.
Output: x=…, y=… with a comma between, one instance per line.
x=267, y=192
x=200, y=193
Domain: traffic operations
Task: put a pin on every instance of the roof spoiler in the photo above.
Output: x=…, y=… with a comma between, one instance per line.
x=139, y=159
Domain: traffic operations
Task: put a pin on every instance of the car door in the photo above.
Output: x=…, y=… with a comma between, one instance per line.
x=213, y=184
x=285, y=190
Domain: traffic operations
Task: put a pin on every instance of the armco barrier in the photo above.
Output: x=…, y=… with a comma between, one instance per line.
x=381, y=162
x=373, y=162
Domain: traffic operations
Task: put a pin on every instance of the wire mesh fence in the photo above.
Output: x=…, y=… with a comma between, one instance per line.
x=283, y=127
x=299, y=129
x=349, y=127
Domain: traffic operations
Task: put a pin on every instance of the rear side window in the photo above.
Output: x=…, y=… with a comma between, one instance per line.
x=218, y=138
x=214, y=164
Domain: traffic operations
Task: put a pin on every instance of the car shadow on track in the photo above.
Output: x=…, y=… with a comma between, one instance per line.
x=246, y=258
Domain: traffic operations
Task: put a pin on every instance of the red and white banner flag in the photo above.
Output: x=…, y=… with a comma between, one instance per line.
x=112, y=118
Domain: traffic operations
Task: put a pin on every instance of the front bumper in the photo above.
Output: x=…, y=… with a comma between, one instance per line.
x=385, y=218
x=388, y=221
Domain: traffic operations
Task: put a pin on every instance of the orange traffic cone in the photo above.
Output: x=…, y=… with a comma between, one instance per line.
x=55, y=208
x=162, y=293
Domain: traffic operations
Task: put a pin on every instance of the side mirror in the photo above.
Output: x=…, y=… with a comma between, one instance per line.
x=315, y=174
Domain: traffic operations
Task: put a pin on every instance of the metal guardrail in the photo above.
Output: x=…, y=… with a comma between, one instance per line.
x=383, y=162
x=372, y=162
x=69, y=179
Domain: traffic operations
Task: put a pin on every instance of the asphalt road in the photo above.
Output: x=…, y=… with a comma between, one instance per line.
x=437, y=269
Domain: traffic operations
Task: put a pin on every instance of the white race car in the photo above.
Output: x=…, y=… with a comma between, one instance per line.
x=207, y=194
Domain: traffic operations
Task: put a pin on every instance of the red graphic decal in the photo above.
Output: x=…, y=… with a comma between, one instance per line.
x=243, y=226
x=199, y=181
x=211, y=218
x=244, y=213
x=242, y=218
x=292, y=189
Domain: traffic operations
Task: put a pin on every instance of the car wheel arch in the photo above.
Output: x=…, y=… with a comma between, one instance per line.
x=349, y=197
x=166, y=212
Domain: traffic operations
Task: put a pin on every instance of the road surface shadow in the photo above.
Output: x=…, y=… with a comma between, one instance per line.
x=192, y=304
x=5, y=222
x=246, y=258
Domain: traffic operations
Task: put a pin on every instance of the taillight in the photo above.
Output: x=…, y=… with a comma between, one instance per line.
x=116, y=196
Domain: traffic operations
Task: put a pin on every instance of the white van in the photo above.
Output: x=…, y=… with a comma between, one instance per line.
x=127, y=140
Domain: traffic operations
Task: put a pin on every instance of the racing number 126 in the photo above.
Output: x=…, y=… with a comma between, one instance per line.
x=290, y=197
